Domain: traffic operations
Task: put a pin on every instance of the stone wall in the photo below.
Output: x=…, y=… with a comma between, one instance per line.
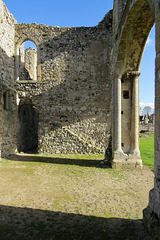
x=68, y=108
x=27, y=63
x=31, y=62
x=146, y=128
x=23, y=72
x=7, y=92
x=74, y=92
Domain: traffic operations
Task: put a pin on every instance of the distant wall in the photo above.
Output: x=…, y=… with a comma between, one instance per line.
x=146, y=128
x=73, y=93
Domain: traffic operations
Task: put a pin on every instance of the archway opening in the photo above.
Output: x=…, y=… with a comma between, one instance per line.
x=126, y=83
x=147, y=77
x=28, y=61
x=140, y=19
x=147, y=96
x=28, y=117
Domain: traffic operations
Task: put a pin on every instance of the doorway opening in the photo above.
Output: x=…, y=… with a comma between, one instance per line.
x=28, y=128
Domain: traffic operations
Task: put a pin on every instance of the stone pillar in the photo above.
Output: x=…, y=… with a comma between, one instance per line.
x=135, y=114
x=117, y=114
x=118, y=154
x=122, y=158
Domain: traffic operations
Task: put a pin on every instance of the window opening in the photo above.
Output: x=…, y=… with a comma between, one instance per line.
x=7, y=100
x=28, y=61
x=126, y=94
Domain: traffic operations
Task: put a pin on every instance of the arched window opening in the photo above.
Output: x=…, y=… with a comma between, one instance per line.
x=28, y=61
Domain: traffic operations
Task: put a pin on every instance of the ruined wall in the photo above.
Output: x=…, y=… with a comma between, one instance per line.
x=7, y=92
x=31, y=62
x=27, y=63
x=23, y=72
x=73, y=96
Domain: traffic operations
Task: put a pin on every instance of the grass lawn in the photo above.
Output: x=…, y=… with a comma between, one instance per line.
x=147, y=149
x=69, y=197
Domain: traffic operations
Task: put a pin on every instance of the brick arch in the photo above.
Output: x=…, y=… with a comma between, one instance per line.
x=136, y=23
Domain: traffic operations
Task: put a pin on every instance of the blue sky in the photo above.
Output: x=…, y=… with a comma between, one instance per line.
x=87, y=13
x=148, y=70
x=63, y=13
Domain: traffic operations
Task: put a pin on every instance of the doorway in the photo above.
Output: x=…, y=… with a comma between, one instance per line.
x=28, y=128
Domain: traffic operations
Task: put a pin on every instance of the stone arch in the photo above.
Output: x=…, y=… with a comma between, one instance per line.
x=17, y=63
x=133, y=35
x=138, y=23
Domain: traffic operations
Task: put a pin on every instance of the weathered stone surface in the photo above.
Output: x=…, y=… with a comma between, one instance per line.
x=71, y=95
x=74, y=94
x=7, y=90
x=132, y=22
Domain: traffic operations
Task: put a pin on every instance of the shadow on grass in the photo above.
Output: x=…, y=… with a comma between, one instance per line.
x=31, y=224
x=57, y=160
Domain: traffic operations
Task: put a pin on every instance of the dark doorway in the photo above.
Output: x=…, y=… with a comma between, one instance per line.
x=28, y=129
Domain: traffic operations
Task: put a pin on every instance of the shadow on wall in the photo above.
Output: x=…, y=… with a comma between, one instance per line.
x=8, y=101
x=28, y=224
x=24, y=73
x=68, y=91
x=8, y=120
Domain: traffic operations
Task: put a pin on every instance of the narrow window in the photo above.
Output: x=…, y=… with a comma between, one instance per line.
x=126, y=94
x=7, y=100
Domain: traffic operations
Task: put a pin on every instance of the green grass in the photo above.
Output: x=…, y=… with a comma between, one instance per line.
x=147, y=150
x=69, y=197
